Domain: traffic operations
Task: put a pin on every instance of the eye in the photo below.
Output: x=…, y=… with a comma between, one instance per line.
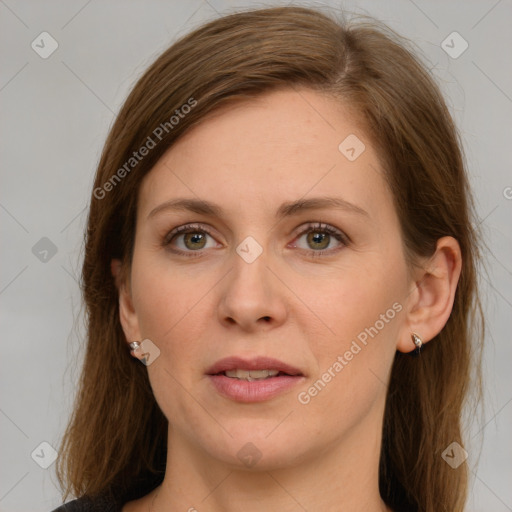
x=320, y=238
x=189, y=238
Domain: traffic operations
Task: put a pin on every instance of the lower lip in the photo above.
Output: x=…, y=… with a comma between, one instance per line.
x=253, y=391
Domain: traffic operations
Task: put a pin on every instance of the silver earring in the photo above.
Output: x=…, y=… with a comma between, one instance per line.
x=134, y=346
x=417, y=343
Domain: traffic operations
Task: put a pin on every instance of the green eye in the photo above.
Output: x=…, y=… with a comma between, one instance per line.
x=318, y=240
x=194, y=241
x=319, y=237
x=189, y=239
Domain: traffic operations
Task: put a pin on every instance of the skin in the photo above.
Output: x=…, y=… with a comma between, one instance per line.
x=301, y=308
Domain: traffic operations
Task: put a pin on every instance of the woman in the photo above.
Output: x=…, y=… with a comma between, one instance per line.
x=280, y=221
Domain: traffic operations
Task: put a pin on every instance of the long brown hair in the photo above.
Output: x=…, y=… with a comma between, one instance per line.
x=117, y=434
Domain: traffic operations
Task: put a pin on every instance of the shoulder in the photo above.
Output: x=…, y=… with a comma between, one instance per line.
x=114, y=500
x=87, y=504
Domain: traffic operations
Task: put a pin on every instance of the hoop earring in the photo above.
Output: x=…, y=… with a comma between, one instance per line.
x=418, y=343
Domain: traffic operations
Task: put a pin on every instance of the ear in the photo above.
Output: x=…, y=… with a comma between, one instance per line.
x=127, y=313
x=430, y=302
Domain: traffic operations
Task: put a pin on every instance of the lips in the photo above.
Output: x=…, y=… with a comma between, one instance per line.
x=263, y=387
x=258, y=363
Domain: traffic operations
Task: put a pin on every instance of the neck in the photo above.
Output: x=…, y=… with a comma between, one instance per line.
x=343, y=477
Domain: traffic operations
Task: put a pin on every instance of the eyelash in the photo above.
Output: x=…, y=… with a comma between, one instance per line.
x=318, y=226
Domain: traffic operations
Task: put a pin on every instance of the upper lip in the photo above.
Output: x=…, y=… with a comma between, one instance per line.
x=257, y=363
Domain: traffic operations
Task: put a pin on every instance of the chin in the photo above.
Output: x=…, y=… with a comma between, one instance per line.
x=259, y=451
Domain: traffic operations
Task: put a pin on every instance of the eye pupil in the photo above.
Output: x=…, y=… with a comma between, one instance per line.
x=194, y=238
x=316, y=237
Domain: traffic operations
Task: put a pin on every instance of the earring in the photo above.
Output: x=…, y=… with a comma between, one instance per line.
x=134, y=346
x=417, y=342
x=145, y=351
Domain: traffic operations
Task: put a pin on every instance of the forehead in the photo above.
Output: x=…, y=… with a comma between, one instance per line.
x=280, y=146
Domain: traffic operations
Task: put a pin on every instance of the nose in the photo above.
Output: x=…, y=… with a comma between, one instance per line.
x=252, y=297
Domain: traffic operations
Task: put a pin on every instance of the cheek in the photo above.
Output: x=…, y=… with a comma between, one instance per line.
x=166, y=297
x=364, y=311
x=350, y=301
x=171, y=310
x=353, y=371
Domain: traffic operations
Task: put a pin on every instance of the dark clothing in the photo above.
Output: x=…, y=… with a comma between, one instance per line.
x=91, y=505
x=112, y=502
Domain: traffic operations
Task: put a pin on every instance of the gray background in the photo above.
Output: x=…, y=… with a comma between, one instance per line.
x=55, y=114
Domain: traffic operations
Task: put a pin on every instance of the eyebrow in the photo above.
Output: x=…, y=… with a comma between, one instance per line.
x=287, y=209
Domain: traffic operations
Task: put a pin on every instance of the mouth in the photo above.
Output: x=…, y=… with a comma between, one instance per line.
x=252, y=375
x=259, y=368
x=253, y=380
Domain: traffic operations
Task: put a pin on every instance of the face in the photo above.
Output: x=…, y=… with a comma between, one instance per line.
x=296, y=257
